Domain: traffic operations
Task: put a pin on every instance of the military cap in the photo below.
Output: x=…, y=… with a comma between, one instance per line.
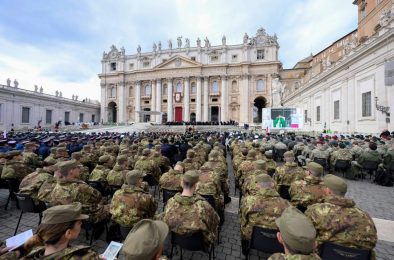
x=121, y=158
x=133, y=176
x=251, y=154
x=87, y=147
x=181, y=164
x=13, y=153
x=3, y=155
x=65, y=166
x=76, y=155
x=263, y=178
x=190, y=153
x=214, y=154
x=297, y=230
x=12, y=142
x=145, y=239
x=335, y=183
x=288, y=154
x=30, y=145
x=63, y=214
x=146, y=152
x=61, y=149
x=261, y=164
x=316, y=168
x=268, y=153
x=191, y=176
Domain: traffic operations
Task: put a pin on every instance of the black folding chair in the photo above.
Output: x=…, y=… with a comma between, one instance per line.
x=168, y=194
x=13, y=187
x=330, y=251
x=342, y=166
x=271, y=172
x=278, y=154
x=124, y=231
x=211, y=200
x=152, y=182
x=95, y=229
x=191, y=242
x=322, y=162
x=370, y=167
x=284, y=192
x=98, y=186
x=26, y=203
x=263, y=240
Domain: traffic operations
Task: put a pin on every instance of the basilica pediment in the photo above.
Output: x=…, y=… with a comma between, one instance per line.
x=178, y=62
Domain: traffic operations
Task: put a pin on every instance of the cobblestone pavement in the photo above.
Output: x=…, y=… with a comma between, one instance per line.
x=376, y=200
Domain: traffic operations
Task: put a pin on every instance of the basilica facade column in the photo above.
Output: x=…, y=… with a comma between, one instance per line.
x=205, y=103
x=223, y=99
x=158, y=100
x=186, y=101
x=170, y=112
x=104, y=108
x=137, y=101
x=122, y=104
x=198, y=108
x=244, y=109
x=153, y=100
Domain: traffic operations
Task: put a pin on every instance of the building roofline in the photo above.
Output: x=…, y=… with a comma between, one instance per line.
x=355, y=30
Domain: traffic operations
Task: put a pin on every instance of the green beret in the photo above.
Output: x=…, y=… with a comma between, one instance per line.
x=297, y=230
x=288, y=154
x=121, y=158
x=261, y=164
x=335, y=183
x=191, y=176
x=133, y=176
x=263, y=178
x=146, y=152
x=104, y=158
x=145, y=239
x=63, y=214
x=316, y=168
x=65, y=166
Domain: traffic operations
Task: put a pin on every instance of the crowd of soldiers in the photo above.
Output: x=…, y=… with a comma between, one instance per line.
x=112, y=176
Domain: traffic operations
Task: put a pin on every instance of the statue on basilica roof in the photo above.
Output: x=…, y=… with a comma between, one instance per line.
x=179, y=41
x=159, y=46
x=138, y=49
x=198, y=42
x=246, y=38
x=224, y=40
x=170, y=44
x=207, y=43
x=154, y=47
x=187, y=43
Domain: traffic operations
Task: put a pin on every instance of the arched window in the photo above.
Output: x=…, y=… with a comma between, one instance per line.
x=113, y=91
x=147, y=90
x=234, y=86
x=179, y=87
x=193, y=88
x=165, y=89
x=131, y=91
x=215, y=87
x=260, y=85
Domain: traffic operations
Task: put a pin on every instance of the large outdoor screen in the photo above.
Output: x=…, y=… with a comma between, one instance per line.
x=282, y=118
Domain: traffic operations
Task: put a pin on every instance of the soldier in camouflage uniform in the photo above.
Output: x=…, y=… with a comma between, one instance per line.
x=356, y=149
x=186, y=213
x=239, y=158
x=190, y=162
x=50, y=159
x=369, y=155
x=388, y=158
x=249, y=186
x=319, y=152
x=89, y=157
x=160, y=160
x=271, y=164
x=14, y=168
x=116, y=176
x=341, y=154
x=100, y=172
x=131, y=203
x=70, y=188
x=172, y=179
x=147, y=165
x=261, y=208
x=30, y=158
x=61, y=154
x=77, y=156
x=306, y=153
x=288, y=173
x=245, y=168
x=220, y=167
x=32, y=183
x=310, y=190
x=297, y=235
x=338, y=220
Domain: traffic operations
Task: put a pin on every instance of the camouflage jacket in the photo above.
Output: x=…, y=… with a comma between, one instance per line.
x=14, y=169
x=339, y=221
x=319, y=153
x=69, y=191
x=44, y=193
x=171, y=180
x=244, y=168
x=218, y=166
x=281, y=256
x=288, y=173
x=249, y=185
x=162, y=162
x=99, y=173
x=271, y=164
x=32, y=183
x=388, y=158
x=191, y=164
x=185, y=215
x=341, y=154
x=307, y=192
x=356, y=151
x=208, y=183
x=261, y=209
x=89, y=158
x=131, y=204
x=84, y=172
x=31, y=160
x=369, y=155
x=69, y=253
x=148, y=166
x=116, y=176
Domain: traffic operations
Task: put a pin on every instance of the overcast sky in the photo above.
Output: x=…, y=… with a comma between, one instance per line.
x=59, y=44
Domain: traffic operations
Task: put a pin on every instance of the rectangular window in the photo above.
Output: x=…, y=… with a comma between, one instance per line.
x=164, y=100
x=193, y=100
x=93, y=118
x=66, y=117
x=366, y=104
x=234, y=57
x=305, y=116
x=113, y=66
x=318, y=113
x=81, y=117
x=131, y=66
x=146, y=102
x=193, y=58
x=25, y=115
x=48, y=116
x=146, y=64
x=214, y=58
x=260, y=54
x=164, y=60
x=214, y=100
x=336, y=109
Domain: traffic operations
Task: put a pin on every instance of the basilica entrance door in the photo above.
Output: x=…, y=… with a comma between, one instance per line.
x=178, y=114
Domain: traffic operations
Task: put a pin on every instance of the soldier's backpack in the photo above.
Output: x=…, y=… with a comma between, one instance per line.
x=384, y=178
